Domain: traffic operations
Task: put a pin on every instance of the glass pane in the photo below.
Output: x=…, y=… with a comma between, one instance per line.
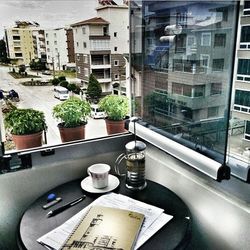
x=70, y=52
x=191, y=54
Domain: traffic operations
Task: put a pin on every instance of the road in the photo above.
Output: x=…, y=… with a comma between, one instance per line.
x=42, y=98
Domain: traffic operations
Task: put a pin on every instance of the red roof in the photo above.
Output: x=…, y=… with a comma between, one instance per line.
x=93, y=21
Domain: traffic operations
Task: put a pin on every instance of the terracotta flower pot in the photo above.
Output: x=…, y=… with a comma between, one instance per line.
x=115, y=127
x=28, y=141
x=71, y=134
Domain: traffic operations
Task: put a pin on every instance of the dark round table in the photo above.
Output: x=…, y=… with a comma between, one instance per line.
x=176, y=234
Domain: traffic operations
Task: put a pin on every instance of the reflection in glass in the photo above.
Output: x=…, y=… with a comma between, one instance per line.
x=182, y=54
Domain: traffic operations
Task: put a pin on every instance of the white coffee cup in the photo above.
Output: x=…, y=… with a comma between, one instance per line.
x=99, y=174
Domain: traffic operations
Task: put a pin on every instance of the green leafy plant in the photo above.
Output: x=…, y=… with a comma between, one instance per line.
x=25, y=121
x=115, y=106
x=72, y=112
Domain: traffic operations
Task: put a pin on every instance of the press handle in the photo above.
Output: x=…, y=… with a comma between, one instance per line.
x=117, y=164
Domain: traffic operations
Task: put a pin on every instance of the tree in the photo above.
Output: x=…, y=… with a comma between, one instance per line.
x=3, y=52
x=94, y=89
x=37, y=64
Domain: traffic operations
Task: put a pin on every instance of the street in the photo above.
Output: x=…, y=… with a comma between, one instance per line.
x=42, y=98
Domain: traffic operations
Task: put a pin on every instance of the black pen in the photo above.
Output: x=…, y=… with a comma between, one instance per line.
x=66, y=206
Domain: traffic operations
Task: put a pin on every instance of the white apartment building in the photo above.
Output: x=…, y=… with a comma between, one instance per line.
x=39, y=44
x=100, y=44
x=56, y=48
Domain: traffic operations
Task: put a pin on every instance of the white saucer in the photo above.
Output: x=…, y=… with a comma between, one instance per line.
x=86, y=184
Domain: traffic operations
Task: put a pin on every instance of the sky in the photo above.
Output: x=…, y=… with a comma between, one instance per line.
x=48, y=13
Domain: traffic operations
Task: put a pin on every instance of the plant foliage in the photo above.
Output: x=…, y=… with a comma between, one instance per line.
x=72, y=112
x=94, y=89
x=115, y=106
x=25, y=121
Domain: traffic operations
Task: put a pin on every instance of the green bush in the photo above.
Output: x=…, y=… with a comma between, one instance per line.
x=115, y=106
x=55, y=81
x=71, y=87
x=64, y=84
x=72, y=112
x=62, y=78
x=25, y=121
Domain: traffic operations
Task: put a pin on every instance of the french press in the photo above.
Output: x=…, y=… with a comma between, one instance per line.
x=135, y=164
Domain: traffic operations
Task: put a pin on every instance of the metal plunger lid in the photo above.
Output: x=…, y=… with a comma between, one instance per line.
x=135, y=146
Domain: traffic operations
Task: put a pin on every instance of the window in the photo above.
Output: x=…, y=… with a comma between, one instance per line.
x=242, y=98
x=47, y=42
x=86, y=72
x=216, y=88
x=84, y=45
x=212, y=112
x=77, y=57
x=219, y=40
x=116, y=77
x=195, y=105
x=54, y=34
x=83, y=30
x=243, y=67
x=77, y=44
x=115, y=34
x=199, y=90
x=116, y=62
x=245, y=34
x=205, y=39
x=78, y=69
x=85, y=58
x=55, y=42
x=205, y=61
x=218, y=64
x=115, y=48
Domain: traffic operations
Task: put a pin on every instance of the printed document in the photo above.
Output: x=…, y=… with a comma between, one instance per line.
x=154, y=220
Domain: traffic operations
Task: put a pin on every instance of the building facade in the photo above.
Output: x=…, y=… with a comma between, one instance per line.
x=100, y=44
x=241, y=100
x=57, y=48
x=20, y=42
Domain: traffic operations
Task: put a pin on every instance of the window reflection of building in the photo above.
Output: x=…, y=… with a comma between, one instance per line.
x=186, y=74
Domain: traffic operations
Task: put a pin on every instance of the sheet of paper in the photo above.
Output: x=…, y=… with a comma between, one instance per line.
x=154, y=219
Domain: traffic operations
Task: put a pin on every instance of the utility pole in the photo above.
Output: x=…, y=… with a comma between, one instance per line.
x=53, y=66
x=58, y=60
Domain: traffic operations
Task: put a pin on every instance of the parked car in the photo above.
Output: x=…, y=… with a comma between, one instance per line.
x=61, y=93
x=96, y=112
x=46, y=72
x=13, y=95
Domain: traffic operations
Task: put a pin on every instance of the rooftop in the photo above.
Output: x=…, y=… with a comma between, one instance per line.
x=93, y=21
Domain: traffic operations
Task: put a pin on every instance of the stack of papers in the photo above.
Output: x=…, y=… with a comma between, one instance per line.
x=155, y=218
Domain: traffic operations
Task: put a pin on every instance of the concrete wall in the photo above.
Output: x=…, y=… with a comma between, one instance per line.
x=220, y=220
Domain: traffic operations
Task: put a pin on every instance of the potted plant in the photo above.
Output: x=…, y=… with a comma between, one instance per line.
x=26, y=127
x=116, y=108
x=72, y=115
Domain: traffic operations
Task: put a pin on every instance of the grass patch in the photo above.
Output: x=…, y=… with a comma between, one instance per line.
x=66, y=73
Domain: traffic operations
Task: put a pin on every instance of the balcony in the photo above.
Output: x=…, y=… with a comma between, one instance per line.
x=103, y=79
x=99, y=45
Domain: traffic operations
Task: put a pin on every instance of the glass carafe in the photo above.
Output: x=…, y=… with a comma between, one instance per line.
x=135, y=165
